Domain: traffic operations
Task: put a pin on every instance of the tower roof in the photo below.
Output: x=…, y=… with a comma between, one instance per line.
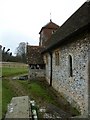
x=50, y=25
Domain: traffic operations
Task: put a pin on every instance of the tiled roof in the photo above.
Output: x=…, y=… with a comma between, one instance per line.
x=34, y=55
x=50, y=25
x=79, y=20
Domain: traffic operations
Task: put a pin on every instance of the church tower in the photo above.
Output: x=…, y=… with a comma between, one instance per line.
x=46, y=32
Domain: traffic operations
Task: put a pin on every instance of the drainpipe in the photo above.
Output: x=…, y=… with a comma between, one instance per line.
x=50, y=68
x=89, y=84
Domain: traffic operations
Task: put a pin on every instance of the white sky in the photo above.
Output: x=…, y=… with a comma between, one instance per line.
x=21, y=20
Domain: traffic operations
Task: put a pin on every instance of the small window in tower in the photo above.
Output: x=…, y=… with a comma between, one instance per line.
x=53, y=31
x=70, y=66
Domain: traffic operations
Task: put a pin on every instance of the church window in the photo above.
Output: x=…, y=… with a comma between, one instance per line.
x=70, y=66
x=57, y=58
x=53, y=31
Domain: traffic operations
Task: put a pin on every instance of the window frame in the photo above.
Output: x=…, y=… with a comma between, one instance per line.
x=57, y=57
x=70, y=65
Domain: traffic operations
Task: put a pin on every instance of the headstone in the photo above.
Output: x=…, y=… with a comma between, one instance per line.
x=19, y=108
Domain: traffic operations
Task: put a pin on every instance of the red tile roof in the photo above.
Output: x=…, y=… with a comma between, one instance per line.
x=50, y=25
x=34, y=55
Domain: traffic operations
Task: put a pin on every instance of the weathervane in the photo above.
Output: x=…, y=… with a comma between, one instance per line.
x=50, y=17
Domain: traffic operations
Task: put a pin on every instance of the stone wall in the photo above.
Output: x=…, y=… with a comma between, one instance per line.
x=36, y=73
x=74, y=88
x=48, y=69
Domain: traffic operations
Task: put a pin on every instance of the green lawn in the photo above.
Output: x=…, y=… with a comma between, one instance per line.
x=10, y=89
x=11, y=71
x=37, y=90
x=0, y=98
x=6, y=91
x=42, y=93
x=7, y=94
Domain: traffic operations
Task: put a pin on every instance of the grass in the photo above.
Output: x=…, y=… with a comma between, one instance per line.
x=42, y=92
x=7, y=94
x=37, y=90
x=34, y=90
x=6, y=88
x=0, y=98
x=10, y=71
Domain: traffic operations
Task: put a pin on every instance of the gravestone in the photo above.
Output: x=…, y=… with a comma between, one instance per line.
x=19, y=108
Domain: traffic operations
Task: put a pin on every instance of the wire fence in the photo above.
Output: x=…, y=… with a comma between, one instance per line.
x=13, y=64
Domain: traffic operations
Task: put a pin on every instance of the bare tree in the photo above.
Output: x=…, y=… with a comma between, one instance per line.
x=21, y=51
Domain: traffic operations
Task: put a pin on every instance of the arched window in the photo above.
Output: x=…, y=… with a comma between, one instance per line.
x=57, y=57
x=70, y=66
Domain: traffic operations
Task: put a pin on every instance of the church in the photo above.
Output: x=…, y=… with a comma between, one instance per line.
x=63, y=58
x=34, y=53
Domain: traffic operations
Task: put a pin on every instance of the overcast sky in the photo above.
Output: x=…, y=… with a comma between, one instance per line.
x=21, y=20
